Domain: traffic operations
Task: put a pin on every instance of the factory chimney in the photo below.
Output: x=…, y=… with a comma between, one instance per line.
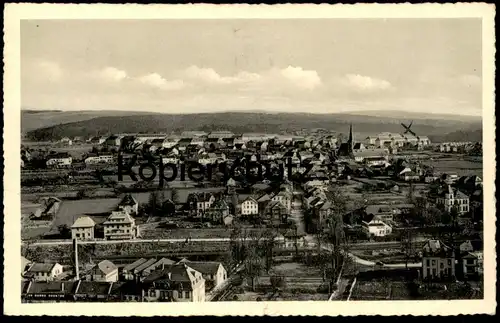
x=75, y=253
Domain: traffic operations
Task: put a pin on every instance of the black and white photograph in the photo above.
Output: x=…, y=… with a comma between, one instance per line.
x=264, y=160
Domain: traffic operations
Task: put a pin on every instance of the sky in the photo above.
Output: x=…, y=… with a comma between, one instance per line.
x=282, y=65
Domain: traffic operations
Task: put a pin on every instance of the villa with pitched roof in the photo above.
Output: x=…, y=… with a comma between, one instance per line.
x=129, y=204
x=83, y=228
x=452, y=197
x=177, y=283
x=105, y=271
x=44, y=271
x=120, y=225
x=438, y=260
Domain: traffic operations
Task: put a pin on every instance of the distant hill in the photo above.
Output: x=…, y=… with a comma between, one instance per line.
x=35, y=119
x=238, y=123
x=408, y=116
x=459, y=135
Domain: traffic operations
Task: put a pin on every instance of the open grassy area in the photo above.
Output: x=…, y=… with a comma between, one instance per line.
x=301, y=283
x=63, y=253
x=461, y=167
x=403, y=290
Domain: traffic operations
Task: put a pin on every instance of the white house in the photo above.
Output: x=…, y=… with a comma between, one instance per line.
x=120, y=225
x=438, y=260
x=105, y=271
x=204, y=202
x=83, y=228
x=44, y=271
x=453, y=197
x=101, y=159
x=285, y=198
x=213, y=272
x=249, y=206
x=59, y=160
x=376, y=228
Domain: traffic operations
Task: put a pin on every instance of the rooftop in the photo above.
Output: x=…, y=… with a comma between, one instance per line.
x=41, y=267
x=106, y=267
x=83, y=222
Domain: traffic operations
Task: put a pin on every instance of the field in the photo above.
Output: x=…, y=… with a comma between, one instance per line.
x=119, y=253
x=461, y=167
x=401, y=290
x=97, y=208
x=301, y=283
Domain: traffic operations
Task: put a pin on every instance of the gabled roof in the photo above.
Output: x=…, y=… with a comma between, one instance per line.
x=41, y=268
x=106, y=267
x=134, y=265
x=145, y=265
x=249, y=198
x=437, y=248
x=128, y=200
x=83, y=222
x=118, y=217
x=51, y=287
x=163, y=262
x=94, y=288
x=205, y=267
x=263, y=198
x=272, y=204
x=178, y=274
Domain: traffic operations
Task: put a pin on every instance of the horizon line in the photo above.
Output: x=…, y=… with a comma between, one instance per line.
x=354, y=112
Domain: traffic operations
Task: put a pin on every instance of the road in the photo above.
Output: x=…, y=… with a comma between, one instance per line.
x=310, y=239
x=67, y=242
x=364, y=262
x=298, y=216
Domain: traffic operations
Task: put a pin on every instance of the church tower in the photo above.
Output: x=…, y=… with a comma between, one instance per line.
x=350, y=142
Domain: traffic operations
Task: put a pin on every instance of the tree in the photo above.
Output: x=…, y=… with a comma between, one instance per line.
x=253, y=259
x=411, y=194
x=64, y=230
x=277, y=282
x=407, y=243
x=268, y=240
x=174, y=195
x=154, y=203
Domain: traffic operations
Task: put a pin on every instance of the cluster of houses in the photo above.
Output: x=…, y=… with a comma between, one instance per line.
x=455, y=147
x=119, y=225
x=144, y=280
x=396, y=140
x=441, y=262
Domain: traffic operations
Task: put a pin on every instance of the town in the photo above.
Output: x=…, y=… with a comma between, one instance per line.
x=391, y=216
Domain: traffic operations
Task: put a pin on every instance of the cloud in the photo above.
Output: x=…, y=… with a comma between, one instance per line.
x=210, y=76
x=365, y=83
x=157, y=81
x=112, y=74
x=50, y=70
x=306, y=79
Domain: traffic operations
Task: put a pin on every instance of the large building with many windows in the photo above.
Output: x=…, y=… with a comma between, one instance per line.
x=438, y=260
x=452, y=197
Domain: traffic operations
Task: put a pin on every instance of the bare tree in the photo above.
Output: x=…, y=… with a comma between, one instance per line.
x=407, y=243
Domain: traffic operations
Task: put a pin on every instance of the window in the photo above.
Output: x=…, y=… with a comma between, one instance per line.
x=433, y=262
x=449, y=262
x=187, y=295
x=442, y=265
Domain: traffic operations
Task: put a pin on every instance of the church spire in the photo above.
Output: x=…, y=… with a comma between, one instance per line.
x=350, y=134
x=350, y=142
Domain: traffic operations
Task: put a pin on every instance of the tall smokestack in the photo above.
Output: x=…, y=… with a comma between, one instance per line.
x=75, y=253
